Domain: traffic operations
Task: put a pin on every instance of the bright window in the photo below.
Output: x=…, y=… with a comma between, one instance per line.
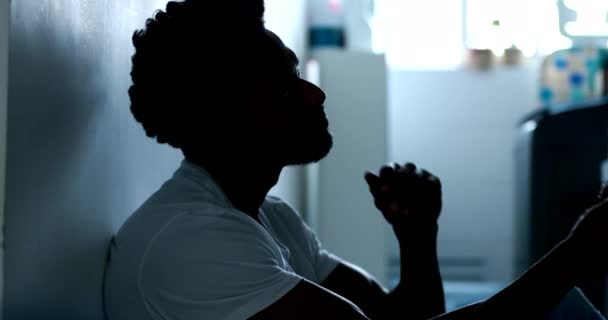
x=531, y=26
x=419, y=34
x=433, y=34
x=591, y=18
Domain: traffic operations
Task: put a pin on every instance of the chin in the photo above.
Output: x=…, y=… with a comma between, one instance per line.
x=314, y=150
x=327, y=145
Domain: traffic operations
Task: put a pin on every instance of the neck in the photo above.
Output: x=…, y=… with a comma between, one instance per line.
x=246, y=184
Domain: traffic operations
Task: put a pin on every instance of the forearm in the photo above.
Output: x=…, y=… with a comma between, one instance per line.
x=419, y=294
x=539, y=289
x=420, y=288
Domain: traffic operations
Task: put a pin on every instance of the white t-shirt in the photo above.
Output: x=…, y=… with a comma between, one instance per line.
x=188, y=254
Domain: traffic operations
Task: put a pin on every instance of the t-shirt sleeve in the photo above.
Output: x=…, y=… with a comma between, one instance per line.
x=212, y=268
x=323, y=261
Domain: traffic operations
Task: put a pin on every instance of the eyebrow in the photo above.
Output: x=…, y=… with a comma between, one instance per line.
x=293, y=56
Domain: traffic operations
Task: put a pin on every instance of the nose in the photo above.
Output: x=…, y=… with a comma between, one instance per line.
x=311, y=93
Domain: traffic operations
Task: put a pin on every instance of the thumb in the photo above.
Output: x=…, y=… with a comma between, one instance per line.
x=373, y=181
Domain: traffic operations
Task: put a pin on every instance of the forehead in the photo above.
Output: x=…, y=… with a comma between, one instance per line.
x=274, y=64
x=276, y=52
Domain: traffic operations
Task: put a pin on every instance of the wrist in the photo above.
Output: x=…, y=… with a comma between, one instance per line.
x=421, y=248
x=412, y=234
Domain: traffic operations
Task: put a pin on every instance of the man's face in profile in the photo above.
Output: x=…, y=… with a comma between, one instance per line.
x=284, y=119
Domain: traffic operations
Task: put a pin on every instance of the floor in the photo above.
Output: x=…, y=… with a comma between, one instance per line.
x=460, y=294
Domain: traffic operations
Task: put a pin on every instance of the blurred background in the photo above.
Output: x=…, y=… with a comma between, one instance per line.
x=504, y=100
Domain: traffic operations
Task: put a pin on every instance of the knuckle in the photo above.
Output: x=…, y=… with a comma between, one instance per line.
x=386, y=169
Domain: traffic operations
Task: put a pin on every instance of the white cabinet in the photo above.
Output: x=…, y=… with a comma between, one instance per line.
x=4, y=27
x=340, y=208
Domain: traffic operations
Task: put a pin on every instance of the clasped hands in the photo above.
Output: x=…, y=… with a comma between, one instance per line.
x=409, y=199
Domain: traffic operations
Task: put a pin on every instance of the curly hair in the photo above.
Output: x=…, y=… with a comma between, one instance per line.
x=189, y=57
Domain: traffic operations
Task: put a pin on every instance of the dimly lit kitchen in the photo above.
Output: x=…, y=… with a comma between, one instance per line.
x=500, y=106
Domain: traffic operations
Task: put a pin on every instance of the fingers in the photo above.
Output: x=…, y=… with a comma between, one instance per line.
x=425, y=174
x=423, y=178
x=410, y=167
x=407, y=179
x=380, y=188
x=405, y=191
x=372, y=180
x=387, y=172
x=394, y=179
x=374, y=183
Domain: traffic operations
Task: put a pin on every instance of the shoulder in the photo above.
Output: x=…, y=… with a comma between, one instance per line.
x=287, y=222
x=278, y=208
x=274, y=201
x=200, y=259
x=209, y=228
x=216, y=243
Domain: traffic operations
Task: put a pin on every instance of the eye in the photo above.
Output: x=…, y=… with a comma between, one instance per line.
x=286, y=91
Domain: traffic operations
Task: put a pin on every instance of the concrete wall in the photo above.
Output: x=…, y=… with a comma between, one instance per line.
x=77, y=164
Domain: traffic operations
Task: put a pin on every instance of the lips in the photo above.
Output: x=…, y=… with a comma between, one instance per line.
x=325, y=121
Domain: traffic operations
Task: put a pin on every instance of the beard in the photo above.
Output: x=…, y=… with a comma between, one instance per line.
x=314, y=149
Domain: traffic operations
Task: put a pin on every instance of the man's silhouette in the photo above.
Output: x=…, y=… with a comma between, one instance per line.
x=209, y=79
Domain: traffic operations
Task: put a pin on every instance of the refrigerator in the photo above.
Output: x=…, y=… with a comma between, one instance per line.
x=558, y=175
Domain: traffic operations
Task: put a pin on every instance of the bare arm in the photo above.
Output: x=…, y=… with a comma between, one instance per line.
x=410, y=200
x=529, y=297
x=309, y=301
x=539, y=289
x=418, y=296
x=350, y=292
x=532, y=295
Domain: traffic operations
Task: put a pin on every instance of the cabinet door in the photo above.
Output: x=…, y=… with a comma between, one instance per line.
x=356, y=106
x=4, y=27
